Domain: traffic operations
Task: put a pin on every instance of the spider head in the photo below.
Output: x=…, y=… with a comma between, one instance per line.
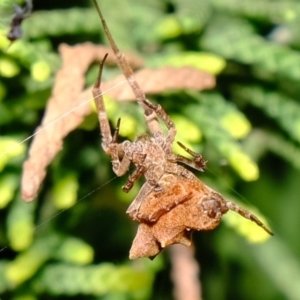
x=214, y=206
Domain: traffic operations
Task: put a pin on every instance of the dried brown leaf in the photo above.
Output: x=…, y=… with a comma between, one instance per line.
x=155, y=81
x=175, y=224
x=69, y=82
x=181, y=205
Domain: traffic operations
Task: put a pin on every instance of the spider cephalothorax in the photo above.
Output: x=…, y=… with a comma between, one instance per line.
x=173, y=201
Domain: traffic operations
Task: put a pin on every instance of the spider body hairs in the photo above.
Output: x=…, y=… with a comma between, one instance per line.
x=173, y=202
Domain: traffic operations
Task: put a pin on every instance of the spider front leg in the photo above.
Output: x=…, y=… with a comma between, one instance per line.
x=198, y=162
x=109, y=143
x=169, y=123
x=137, y=173
x=124, y=65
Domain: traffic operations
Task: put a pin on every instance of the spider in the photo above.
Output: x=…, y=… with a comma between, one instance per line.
x=152, y=155
x=163, y=170
x=21, y=13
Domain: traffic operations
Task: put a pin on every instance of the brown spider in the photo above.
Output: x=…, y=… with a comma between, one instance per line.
x=168, y=183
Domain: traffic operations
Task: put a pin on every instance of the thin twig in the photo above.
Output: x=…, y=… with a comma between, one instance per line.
x=185, y=273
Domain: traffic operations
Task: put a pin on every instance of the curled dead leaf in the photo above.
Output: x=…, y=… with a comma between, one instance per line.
x=170, y=214
x=182, y=206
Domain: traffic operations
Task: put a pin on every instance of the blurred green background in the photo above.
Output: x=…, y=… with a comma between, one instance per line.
x=73, y=241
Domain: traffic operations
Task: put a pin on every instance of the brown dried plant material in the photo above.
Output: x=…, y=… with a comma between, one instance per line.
x=181, y=206
x=155, y=81
x=185, y=273
x=170, y=216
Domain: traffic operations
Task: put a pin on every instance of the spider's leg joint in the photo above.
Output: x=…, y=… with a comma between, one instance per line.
x=116, y=133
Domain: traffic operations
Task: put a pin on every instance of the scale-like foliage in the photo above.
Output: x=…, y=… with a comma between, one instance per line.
x=247, y=127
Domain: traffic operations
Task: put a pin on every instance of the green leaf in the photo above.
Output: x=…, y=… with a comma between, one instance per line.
x=8, y=185
x=20, y=223
x=10, y=148
x=76, y=251
x=65, y=191
x=201, y=60
x=27, y=263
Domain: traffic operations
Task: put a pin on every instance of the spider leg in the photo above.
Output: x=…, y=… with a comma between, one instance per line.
x=165, y=117
x=198, y=162
x=109, y=143
x=116, y=133
x=137, y=173
x=102, y=116
x=120, y=167
x=124, y=65
x=248, y=215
